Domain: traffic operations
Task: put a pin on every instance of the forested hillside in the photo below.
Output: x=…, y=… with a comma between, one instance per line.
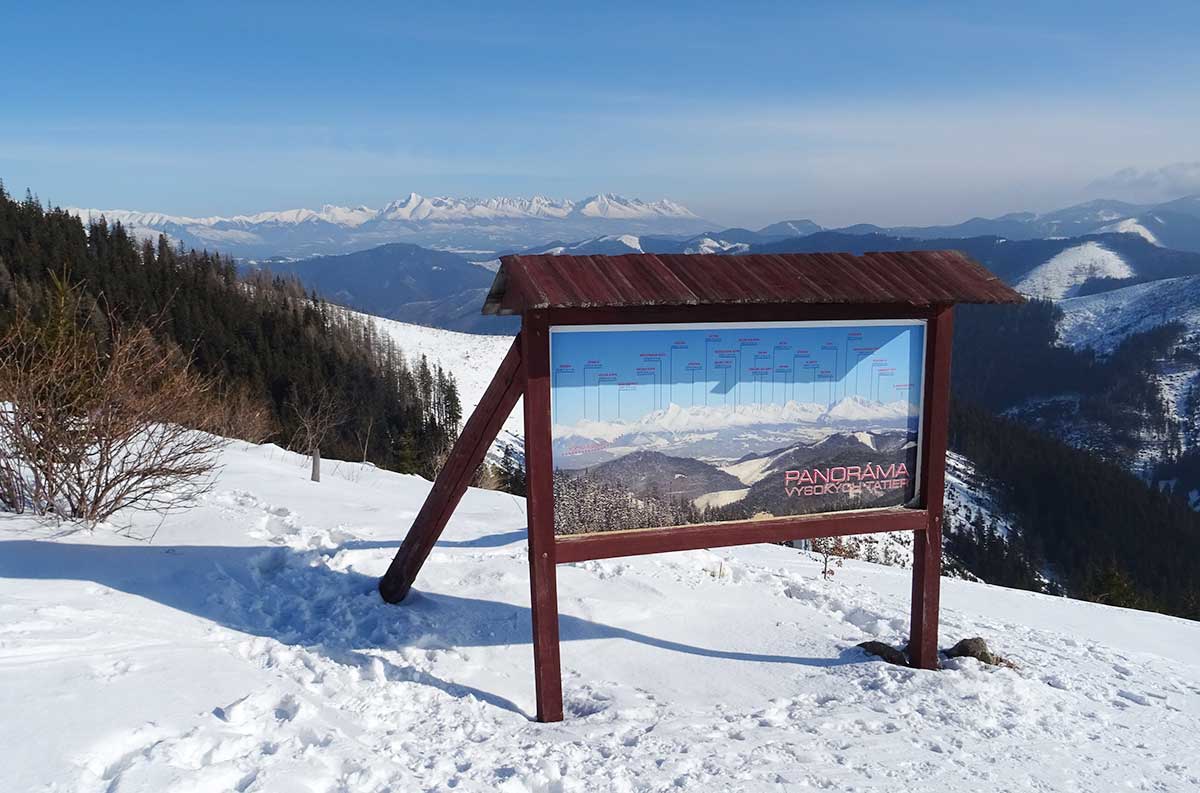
x=1061, y=460
x=1007, y=359
x=265, y=338
x=1101, y=531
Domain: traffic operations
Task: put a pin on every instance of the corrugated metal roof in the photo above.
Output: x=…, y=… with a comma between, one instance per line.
x=911, y=278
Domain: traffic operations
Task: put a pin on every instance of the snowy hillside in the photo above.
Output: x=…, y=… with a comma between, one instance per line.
x=246, y=649
x=472, y=358
x=619, y=244
x=1101, y=321
x=1130, y=226
x=454, y=223
x=1064, y=273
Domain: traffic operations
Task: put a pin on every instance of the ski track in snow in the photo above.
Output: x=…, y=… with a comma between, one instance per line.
x=247, y=650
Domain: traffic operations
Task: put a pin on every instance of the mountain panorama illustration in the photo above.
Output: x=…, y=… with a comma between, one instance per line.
x=696, y=424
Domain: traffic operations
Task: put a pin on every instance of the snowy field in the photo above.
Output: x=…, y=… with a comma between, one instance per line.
x=245, y=649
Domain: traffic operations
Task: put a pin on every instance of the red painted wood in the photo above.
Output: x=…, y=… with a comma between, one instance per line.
x=539, y=467
x=452, y=481
x=606, y=545
x=927, y=543
x=738, y=313
x=646, y=279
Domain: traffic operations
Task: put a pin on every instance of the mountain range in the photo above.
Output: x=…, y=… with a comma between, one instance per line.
x=463, y=224
x=487, y=226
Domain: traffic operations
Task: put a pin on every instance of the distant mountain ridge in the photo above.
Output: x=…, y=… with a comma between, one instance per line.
x=443, y=222
x=401, y=281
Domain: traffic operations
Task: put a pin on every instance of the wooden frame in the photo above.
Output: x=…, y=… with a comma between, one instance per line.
x=526, y=371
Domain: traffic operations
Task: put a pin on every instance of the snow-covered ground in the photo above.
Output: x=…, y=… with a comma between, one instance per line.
x=246, y=649
x=1062, y=275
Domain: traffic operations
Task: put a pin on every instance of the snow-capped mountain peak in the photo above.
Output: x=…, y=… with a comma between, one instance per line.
x=616, y=207
x=858, y=408
x=440, y=221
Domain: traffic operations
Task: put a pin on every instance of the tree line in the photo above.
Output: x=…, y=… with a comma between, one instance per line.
x=265, y=339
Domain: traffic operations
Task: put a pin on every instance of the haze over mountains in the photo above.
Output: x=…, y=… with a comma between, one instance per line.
x=485, y=226
x=441, y=222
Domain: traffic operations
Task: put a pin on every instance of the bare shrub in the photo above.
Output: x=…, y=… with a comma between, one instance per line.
x=95, y=421
x=832, y=551
x=240, y=415
x=318, y=415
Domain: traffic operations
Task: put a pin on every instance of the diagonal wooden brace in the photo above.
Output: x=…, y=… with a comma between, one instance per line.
x=469, y=450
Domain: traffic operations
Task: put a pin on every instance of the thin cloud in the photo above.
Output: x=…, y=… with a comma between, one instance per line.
x=1167, y=181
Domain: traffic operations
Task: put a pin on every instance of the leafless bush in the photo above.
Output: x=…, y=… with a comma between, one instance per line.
x=317, y=415
x=93, y=423
x=240, y=415
x=832, y=551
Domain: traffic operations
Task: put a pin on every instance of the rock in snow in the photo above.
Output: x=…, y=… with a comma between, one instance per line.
x=247, y=649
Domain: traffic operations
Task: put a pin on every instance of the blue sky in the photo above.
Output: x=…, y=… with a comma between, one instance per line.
x=606, y=375
x=747, y=112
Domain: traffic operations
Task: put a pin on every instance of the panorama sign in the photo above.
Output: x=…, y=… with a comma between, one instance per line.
x=679, y=402
x=678, y=424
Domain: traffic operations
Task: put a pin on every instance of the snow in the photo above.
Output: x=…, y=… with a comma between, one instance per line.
x=710, y=245
x=612, y=206
x=1131, y=226
x=967, y=494
x=246, y=649
x=1102, y=320
x=678, y=419
x=754, y=469
x=720, y=498
x=471, y=357
x=1063, y=274
x=415, y=207
x=857, y=408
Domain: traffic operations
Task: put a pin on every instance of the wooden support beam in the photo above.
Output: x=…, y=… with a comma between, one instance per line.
x=927, y=542
x=610, y=544
x=469, y=450
x=539, y=474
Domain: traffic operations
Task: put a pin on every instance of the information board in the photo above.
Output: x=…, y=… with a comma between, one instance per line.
x=678, y=424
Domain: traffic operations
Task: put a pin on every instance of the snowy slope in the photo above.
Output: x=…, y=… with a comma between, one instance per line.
x=1130, y=226
x=1064, y=273
x=246, y=649
x=472, y=358
x=1101, y=321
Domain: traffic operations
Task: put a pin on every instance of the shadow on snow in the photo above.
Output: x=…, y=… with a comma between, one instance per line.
x=294, y=597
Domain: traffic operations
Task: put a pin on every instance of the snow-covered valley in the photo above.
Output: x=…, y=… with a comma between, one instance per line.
x=246, y=649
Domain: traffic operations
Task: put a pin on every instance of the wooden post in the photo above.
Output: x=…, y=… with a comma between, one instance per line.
x=927, y=542
x=481, y=429
x=539, y=474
